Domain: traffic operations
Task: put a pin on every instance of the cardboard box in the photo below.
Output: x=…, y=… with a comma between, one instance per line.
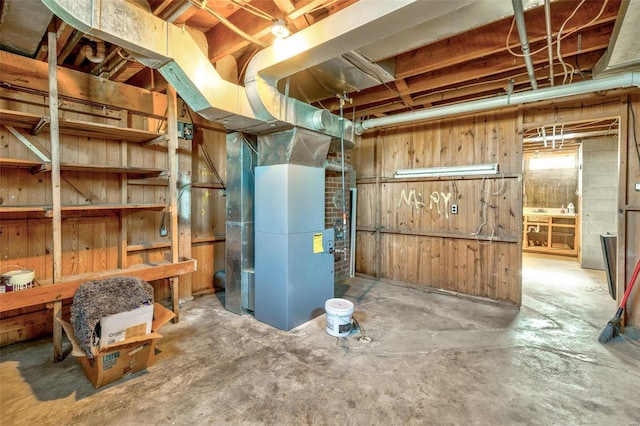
x=122, y=358
x=125, y=325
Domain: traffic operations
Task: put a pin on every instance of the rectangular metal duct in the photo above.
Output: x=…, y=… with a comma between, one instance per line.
x=294, y=146
x=241, y=160
x=294, y=266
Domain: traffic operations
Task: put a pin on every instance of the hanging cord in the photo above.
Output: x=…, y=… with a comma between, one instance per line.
x=635, y=136
x=207, y=158
x=363, y=338
x=565, y=66
x=558, y=37
x=485, y=203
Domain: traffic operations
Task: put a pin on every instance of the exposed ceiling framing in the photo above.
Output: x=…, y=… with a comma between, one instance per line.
x=476, y=62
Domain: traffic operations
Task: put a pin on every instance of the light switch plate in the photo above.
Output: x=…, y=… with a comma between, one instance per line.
x=637, y=186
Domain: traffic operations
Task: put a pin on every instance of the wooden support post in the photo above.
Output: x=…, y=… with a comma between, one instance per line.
x=623, y=155
x=172, y=148
x=123, y=261
x=54, y=129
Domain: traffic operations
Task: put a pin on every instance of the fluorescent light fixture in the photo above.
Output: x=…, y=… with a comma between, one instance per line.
x=474, y=169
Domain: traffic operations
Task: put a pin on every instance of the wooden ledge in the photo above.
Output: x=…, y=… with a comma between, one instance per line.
x=67, y=287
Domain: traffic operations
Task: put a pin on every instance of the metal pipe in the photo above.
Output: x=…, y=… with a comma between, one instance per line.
x=524, y=41
x=344, y=192
x=608, y=83
x=547, y=17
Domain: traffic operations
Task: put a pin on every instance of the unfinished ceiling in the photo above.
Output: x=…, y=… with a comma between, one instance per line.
x=465, y=50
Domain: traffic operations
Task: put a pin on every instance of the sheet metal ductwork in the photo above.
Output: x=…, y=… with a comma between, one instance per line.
x=623, y=53
x=175, y=54
x=294, y=264
x=240, y=246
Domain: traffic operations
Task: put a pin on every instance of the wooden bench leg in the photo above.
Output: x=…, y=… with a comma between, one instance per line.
x=175, y=298
x=58, y=355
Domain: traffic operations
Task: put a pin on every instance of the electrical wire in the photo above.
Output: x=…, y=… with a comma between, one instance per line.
x=635, y=136
x=203, y=5
x=485, y=203
x=558, y=38
x=254, y=10
x=207, y=158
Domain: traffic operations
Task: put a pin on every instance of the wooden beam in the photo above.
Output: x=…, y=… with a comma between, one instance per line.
x=222, y=41
x=56, y=226
x=66, y=288
x=490, y=39
x=405, y=94
x=21, y=72
x=172, y=154
x=499, y=63
x=285, y=6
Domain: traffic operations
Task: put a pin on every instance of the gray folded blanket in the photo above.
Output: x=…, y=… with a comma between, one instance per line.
x=95, y=300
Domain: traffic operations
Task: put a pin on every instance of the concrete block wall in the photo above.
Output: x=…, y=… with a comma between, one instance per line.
x=599, y=203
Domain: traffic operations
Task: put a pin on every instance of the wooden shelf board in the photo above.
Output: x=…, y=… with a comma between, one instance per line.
x=46, y=292
x=217, y=238
x=148, y=246
x=137, y=171
x=23, y=209
x=207, y=185
x=113, y=207
x=81, y=207
x=81, y=128
x=12, y=162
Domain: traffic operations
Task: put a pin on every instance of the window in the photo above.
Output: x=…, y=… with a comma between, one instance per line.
x=552, y=162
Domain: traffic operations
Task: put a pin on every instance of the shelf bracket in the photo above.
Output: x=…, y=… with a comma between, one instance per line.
x=156, y=140
x=34, y=147
x=42, y=123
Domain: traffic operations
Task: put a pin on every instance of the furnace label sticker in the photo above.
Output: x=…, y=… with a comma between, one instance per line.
x=317, y=243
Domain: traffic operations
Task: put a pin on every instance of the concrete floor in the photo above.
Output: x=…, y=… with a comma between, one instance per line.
x=432, y=359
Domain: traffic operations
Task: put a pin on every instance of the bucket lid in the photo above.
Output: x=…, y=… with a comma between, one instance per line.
x=339, y=306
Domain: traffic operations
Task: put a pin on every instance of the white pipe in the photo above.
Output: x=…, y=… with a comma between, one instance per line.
x=518, y=14
x=99, y=54
x=608, y=83
x=581, y=135
x=547, y=18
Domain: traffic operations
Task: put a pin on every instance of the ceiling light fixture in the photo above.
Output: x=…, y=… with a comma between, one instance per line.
x=279, y=29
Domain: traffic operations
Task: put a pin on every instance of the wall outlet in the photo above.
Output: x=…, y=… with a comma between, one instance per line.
x=637, y=186
x=454, y=209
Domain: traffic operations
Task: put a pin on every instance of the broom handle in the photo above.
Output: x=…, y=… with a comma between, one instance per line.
x=633, y=280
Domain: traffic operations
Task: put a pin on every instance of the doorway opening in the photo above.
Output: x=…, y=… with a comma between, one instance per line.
x=570, y=199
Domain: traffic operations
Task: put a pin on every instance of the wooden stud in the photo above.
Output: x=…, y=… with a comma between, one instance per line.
x=172, y=155
x=58, y=355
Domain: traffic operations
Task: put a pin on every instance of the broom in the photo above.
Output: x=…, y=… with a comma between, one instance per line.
x=613, y=326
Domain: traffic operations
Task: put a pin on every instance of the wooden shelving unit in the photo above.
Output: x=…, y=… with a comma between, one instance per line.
x=551, y=234
x=25, y=127
x=35, y=124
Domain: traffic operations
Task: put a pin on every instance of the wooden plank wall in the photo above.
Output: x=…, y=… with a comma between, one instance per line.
x=415, y=244
x=406, y=231
x=208, y=208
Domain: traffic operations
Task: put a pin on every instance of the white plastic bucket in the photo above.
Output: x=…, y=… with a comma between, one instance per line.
x=21, y=279
x=339, y=317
